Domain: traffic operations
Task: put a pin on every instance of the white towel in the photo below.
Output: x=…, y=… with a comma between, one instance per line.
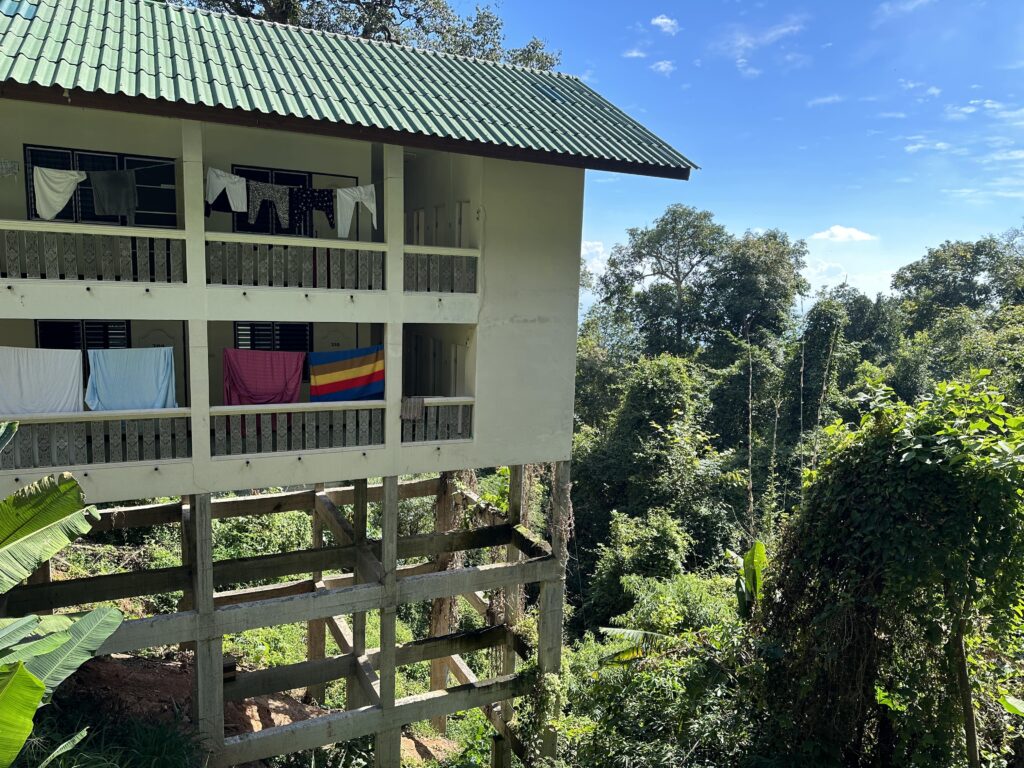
x=40, y=381
x=53, y=188
x=346, y=206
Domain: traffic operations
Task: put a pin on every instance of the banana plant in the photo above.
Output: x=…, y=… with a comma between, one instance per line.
x=38, y=653
x=749, y=577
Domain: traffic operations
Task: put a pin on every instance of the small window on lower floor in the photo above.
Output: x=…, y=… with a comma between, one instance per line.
x=276, y=337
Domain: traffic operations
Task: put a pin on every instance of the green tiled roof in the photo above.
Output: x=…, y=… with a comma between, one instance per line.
x=154, y=50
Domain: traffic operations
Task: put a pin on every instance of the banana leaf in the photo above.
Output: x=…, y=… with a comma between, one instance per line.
x=7, y=430
x=20, y=694
x=86, y=635
x=33, y=648
x=15, y=630
x=37, y=522
x=67, y=746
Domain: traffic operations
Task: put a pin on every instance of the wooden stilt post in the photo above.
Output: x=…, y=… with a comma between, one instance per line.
x=188, y=547
x=42, y=575
x=552, y=594
x=389, y=742
x=354, y=696
x=316, y=629
x=208, y=674
x=501, y=749
x=442, y=609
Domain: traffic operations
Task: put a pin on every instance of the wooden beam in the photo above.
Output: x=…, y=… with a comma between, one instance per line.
x=283, y=564
x=292, y=676
x=33, y=598
x=478, y=601
x=208, y=676
x=360, y=503
x=232, y=619
x=530, y=545
x=344, y=726
x=477, y=578
x=430, y=544
x=370, y=568
x=388, y=741
x=410, y=489
x=252, y=594
x=118, y=518
x=288, y=677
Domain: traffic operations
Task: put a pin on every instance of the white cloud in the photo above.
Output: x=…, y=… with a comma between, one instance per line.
x=837, y=233
x=893, y=8
x=664, y=67
x=933, y=91
x=666, y=24
x=794, y=60
x=634, y=53
x=742, y=42
x=937, y=146
x=892, y=115
x=594, y=255
x=1005, y=156
x=909, y=85
x=959, y=113
x=822, y=101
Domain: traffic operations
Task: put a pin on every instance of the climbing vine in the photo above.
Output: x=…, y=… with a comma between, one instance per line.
x=904, y=550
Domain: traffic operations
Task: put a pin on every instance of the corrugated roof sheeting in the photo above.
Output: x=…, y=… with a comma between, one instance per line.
x=160, y=51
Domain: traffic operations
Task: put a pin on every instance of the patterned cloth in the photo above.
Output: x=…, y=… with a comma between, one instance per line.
x=252, y=377
x=304, y=200
x=260, y=193
x=355, y=374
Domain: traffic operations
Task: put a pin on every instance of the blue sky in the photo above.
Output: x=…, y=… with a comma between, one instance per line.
x=872, y=129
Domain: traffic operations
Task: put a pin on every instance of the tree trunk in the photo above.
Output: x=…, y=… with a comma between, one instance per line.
x=963, y=681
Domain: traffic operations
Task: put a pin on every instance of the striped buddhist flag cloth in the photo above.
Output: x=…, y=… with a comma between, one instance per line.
x=355, y=374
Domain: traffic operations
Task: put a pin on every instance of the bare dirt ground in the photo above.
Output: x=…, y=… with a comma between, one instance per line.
x=161, y=690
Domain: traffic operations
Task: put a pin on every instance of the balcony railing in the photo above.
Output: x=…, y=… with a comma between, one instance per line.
x=293, y=262
x=444, y=418
x=258, y=429
x=41, y=250
x=440, y=270
x=64, y=440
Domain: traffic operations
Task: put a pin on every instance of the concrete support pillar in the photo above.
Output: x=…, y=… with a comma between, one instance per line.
x=389, y=743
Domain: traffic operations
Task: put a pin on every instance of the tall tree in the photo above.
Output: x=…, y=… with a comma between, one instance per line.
x=429, y=24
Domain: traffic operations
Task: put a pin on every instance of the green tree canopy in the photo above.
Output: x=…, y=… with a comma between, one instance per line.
x=429, y=24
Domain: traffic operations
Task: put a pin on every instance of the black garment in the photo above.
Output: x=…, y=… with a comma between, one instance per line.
x=114, y=193
x=301, y=200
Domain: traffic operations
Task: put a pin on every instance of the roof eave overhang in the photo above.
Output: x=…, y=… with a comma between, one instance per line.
x=163, y=108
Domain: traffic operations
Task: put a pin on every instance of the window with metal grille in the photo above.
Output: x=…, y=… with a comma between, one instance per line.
x=154, y=176
x=83, y=335
x=276, y=337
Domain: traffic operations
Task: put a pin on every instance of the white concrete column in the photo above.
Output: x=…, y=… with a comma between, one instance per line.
x=195, y=266
x=394, y=236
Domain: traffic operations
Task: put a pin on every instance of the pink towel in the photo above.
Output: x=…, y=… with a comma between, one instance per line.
x=257, y=378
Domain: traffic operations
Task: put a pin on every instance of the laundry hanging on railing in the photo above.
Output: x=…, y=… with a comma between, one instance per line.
x=253, y=377
x=260, y=193
x=53, y=189
x=346, y=206
x=355, y=374
x=114, y=193
x=220, y=182
x=40, y=381
x=131, y=379
x=9, y=168
x=303, y=200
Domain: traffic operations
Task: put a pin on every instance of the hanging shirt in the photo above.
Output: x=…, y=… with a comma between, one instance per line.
x=131, y=379
x=218, y=182
x=40, y=381
x=260, y=193
x=346, y=205
x=252, y=377
x=114, y=193
x=355, y=374
x=53, y=189
x=303, y=200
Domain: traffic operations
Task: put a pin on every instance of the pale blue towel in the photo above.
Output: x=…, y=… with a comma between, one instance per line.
x=131, y=379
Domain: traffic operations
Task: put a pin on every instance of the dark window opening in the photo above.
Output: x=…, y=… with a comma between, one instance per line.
x=276, y=337
x=83, y=335
x=155, y=179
